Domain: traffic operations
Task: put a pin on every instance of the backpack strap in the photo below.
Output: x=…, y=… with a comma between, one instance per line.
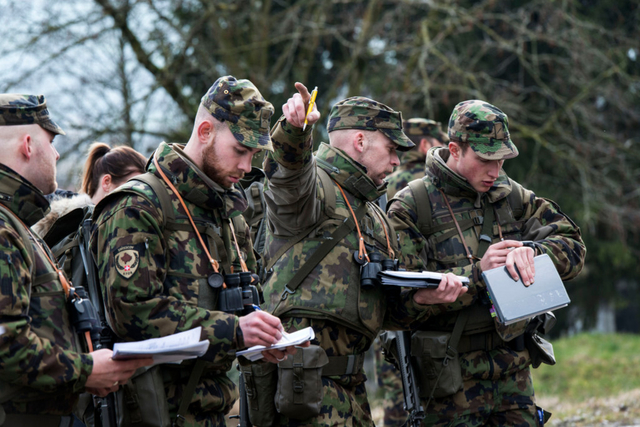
x=329, y=210
x=158, y=187
x=423, y=206
x=24, y=236
x=515, y=199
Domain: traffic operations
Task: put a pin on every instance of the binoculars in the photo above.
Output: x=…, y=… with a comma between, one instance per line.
x=240, y=295
x=369, y=270
x=83, y=314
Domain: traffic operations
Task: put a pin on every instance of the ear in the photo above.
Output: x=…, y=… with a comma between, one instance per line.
x=206, y=132
x=359, y=141
x=26, y=146
x=424, y=145
x=105, y=183
x=455, y=151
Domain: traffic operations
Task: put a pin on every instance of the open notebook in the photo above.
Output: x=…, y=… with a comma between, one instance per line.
x=513, y=301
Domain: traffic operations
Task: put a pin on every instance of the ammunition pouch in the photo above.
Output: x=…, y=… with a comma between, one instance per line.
x=142, y=401
x=438, y=366
x=299, y=392
x=540, y=350
x=260, y=381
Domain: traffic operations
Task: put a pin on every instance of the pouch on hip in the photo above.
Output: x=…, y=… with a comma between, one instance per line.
x=260, y=383
x=438, y=367
x=299, y=393
x=142, y=402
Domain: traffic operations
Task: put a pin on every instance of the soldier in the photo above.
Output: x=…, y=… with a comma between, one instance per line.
x=167, y=245
x=425, y=133
x=466, y=216
x=323, y=224
x=42, y=367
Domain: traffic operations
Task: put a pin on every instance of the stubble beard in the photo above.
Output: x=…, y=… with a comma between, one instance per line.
x=212, y=167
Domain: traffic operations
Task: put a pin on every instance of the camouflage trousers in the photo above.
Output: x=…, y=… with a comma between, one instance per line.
x=497, y=390
x=342, y=405
x=390, y=382
x=218, y=393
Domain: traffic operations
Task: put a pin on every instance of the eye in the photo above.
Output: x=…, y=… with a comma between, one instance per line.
x=240, y=151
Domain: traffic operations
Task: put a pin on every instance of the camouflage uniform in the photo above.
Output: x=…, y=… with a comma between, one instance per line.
x=497, y=385
x=412, y=166
x=155, y=280
x=42, y=371
x=345, y=316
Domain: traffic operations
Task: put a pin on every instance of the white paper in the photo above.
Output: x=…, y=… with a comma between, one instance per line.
x=2, y=330
x=170, y=349
x=426, y=275
x=295, y=338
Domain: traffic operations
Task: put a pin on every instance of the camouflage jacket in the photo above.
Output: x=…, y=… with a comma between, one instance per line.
x=412, y=167
x=41, y=369
x=541, y=221
x=156, y=279
x=331, y=294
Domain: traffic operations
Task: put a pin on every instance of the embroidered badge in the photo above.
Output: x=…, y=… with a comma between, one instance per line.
x=127, y=261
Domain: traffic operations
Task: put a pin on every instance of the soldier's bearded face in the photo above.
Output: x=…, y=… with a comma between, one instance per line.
x=225, y=159
x=379, y=156
x=480, y=173
x=45, y=156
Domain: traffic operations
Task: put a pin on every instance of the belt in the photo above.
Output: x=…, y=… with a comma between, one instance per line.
x=24, y=420
x=488, y=341
x=343, y=365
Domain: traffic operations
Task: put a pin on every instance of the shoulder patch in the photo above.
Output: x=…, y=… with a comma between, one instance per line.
x=127, y=260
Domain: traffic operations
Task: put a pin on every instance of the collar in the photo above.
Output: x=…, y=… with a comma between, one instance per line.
x=193, y=185
x=456, y=185
x=351, y=175
x=21, y=197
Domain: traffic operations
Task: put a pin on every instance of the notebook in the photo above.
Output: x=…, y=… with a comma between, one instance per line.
x=513, y=301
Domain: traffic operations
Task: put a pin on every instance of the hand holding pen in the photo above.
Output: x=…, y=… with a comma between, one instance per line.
x=300, y=110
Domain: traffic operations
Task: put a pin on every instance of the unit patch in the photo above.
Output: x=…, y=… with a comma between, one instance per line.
x=127, y=260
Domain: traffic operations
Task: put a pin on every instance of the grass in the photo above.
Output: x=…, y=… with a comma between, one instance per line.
x=591, y=366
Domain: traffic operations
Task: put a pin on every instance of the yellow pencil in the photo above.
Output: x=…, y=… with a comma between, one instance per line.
x=314, y=93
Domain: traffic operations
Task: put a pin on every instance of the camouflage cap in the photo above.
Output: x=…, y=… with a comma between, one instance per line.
x=425, y=127
x=484, y=127
x=17, y=109
x=363, y=113
x=240, y=104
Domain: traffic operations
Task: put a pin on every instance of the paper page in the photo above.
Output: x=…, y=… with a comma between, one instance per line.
x=2, y=330
x=295, y=338
x=170, y=349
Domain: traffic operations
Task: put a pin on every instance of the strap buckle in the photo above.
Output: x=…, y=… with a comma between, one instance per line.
x=286, y=293
x=485, y=238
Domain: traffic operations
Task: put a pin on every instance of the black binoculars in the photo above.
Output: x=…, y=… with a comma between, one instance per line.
x=240, y=295
x=369, y=271
x=83, y=314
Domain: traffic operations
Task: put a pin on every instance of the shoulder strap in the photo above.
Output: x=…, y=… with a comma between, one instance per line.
x=329, y=210
x=323, y=250
x=158, y=187
x=24, y=236
x=515, y=200
x=423, y=206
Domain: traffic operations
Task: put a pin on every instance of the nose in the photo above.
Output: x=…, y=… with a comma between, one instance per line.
x=245, y=163
x=57, y=154
x=395, y=161
x=494, y=171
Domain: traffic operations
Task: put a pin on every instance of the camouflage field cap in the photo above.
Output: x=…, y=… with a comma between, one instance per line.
x=425, y=127
x=484, y=127
x=240, y=104
x=363, y=113
x=17, y=109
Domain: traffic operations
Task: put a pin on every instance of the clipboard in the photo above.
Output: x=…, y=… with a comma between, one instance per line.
x=514, y=302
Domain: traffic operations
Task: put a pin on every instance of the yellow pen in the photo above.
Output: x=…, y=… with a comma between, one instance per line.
x=314, y=93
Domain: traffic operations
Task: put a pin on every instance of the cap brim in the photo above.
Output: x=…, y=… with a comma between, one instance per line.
x=251, y=138
x=399, y=138
x=51, y=126
x=507, y=150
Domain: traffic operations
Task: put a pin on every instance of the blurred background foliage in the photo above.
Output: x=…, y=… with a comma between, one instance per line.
x=566, y=72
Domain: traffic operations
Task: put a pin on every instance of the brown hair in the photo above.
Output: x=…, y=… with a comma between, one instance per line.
x=117, y=162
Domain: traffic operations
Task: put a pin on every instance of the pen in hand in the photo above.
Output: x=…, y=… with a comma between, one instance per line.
x=314, y=93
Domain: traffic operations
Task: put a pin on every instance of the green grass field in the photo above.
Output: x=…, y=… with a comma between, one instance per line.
x=591, y=365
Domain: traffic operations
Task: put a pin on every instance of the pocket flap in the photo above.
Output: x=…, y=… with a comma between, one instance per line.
x=310, y=357
x=430, y=343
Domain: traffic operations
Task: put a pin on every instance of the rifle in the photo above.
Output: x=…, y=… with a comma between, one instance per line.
x=105, y=407
x=402, y=356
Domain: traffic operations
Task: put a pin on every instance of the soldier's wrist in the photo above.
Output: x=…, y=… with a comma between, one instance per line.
x=239, y=337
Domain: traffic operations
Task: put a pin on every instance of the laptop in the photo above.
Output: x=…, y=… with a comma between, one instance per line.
x=514, y=302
